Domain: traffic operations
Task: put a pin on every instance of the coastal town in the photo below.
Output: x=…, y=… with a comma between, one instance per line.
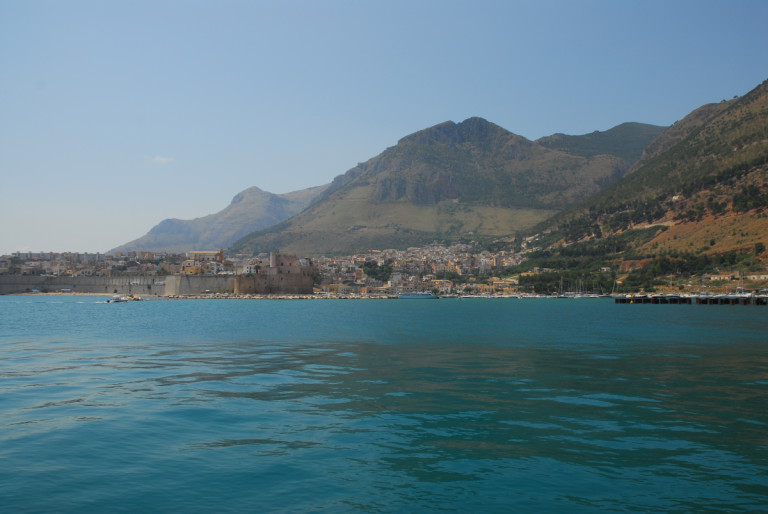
x=374, y=272
x=459, y=269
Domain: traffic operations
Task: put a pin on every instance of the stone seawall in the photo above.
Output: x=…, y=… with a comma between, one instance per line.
x=171, y=285
x=182, y=285
x=137, y=285
x=16, y=284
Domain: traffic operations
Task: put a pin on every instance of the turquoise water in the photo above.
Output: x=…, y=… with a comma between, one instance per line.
x=381, y=406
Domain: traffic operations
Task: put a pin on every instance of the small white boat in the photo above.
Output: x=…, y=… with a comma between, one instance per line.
x=120, y=299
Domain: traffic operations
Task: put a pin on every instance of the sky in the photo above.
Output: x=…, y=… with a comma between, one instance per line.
x=117, y=115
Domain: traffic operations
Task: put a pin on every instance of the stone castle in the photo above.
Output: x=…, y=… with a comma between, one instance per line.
x=285, y=275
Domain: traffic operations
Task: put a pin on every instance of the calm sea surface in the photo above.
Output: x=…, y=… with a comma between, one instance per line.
x=471, y=405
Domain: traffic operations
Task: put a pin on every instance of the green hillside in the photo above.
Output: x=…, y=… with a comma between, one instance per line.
x=716, y=159
x=626, y=141
x=680, y=130
x=701, y=197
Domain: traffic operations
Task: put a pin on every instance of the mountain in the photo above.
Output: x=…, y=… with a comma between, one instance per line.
x=250, y=210
x=626, y=141
x=451, y=181
x=701, y=189
x=679, y=131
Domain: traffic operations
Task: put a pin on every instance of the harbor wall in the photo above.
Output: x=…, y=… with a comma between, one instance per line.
x=724, y=299
x=183, y=285
x=16, y=284
x=171, y=285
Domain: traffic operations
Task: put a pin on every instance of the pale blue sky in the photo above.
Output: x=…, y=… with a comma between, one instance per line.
x=115, y=115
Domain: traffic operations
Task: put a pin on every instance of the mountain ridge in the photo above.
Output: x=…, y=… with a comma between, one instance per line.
x=251, y=209
x=447, y=182
x=699, y=192
x=621, y=141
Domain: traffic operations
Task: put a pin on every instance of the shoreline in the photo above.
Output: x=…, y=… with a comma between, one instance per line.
x=617, y=297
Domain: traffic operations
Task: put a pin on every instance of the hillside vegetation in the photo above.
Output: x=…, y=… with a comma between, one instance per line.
x=471, y=180
x=626, y=141
x=701, y=194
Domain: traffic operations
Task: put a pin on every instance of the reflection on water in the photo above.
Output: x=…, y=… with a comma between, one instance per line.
x=442, y=414
x=483, y=422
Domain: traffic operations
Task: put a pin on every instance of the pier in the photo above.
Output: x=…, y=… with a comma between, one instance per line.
x=704, y=299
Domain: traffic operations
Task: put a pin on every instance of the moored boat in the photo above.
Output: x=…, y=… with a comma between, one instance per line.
x=418, y=295
x=120, y=299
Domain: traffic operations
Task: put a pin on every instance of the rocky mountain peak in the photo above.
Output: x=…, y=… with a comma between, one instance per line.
x=470, y=130
x=250, y=194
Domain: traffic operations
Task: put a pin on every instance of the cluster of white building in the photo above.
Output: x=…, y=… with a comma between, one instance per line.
x=414, y=269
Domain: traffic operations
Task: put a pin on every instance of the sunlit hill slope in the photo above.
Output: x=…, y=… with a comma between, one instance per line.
x=449, y=182
x=701, y=189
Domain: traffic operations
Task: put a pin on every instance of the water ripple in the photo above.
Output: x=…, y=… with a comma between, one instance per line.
x=449, y=416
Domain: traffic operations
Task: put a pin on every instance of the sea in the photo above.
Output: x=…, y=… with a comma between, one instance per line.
x=450, y=405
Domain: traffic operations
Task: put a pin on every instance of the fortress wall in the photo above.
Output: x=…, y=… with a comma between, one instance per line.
x=280, y=283
x=179, y=285
x=15, y=284
x=198, y=284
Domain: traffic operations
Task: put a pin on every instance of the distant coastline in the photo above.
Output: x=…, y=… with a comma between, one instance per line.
x=671, y=298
